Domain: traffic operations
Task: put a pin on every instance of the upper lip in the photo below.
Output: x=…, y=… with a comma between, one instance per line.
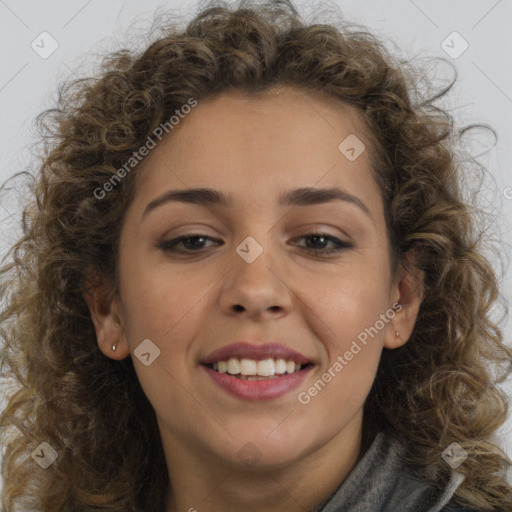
x=258, y=352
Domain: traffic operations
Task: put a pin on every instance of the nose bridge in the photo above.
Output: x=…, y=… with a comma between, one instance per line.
x=254, y=284
x=257, y=248
x=253, y=263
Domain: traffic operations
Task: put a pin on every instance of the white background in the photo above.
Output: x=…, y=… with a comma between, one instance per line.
x=83, y=29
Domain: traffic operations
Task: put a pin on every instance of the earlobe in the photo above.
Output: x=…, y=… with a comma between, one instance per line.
x=105, y=314
x=408, y=294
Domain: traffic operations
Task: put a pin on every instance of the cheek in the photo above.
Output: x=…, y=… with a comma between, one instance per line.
x=337, y=394
x=167, y=305
x=153, y=296
x=346, y=314
x=344, y=302
x=164, y=306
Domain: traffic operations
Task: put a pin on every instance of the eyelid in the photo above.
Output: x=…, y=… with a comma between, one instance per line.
x=340, y=245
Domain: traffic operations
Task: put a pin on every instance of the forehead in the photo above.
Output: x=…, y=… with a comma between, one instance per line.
x=270, y=142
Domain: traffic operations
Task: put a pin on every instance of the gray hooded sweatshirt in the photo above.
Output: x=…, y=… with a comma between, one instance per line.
x=380, y=483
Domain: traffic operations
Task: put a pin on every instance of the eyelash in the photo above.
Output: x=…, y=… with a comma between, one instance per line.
x=169, y=245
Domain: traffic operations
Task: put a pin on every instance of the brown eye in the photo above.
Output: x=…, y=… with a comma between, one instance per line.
x=189, y=244
x=318, y=242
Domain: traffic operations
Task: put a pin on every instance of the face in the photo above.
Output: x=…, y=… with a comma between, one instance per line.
x=267, y=276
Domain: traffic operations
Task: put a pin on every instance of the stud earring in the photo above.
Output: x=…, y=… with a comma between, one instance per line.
x=114, y=346
x=397, y=334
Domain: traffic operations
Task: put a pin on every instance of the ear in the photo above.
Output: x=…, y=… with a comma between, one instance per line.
x=104, y=308
x=407, y=293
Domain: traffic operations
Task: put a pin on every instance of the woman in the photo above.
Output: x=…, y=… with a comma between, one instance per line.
x=249, y=281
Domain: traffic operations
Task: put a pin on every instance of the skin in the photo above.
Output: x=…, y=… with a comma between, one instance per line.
x=189, y=305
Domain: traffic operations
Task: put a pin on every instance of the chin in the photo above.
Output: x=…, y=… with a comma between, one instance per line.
x=267, y=448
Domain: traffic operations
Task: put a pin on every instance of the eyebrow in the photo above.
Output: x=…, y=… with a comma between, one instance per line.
x=305, y=196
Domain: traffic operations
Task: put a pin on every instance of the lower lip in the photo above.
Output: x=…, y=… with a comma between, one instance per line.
x=257, y=390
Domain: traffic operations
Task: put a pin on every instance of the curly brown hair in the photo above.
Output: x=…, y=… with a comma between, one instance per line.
x=437, y=389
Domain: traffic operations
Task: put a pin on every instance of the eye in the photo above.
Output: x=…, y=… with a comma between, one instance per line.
x=321, y=239
x=195, y=243
x=191, y=243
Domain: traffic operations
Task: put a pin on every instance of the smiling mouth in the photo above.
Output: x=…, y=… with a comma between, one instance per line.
x=251, y=369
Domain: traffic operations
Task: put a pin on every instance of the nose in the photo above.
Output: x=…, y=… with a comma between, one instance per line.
x=256, y=290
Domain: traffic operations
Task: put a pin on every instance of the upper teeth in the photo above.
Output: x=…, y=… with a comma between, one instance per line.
x=264, y=368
